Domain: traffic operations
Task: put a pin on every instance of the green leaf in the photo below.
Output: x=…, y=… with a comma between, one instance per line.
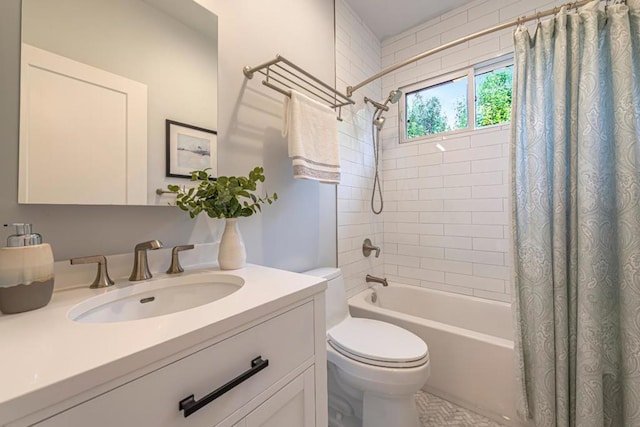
x=225, y=197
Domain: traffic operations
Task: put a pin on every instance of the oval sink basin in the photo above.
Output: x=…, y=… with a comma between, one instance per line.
x=156, y=298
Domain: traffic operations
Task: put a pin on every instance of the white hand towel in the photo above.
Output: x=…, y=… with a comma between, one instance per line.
x=313, y=139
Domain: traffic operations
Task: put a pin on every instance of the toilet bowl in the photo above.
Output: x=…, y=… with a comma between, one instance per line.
x=374, y=367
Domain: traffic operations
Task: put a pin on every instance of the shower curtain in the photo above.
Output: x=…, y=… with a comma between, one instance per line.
x=576, y=217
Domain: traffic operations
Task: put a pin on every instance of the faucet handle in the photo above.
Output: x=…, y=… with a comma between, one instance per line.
x=102, y=279
x=367, y=247
x=175, y=266
x=151, y=244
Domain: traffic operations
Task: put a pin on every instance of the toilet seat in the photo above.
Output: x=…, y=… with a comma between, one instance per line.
x=378, y=343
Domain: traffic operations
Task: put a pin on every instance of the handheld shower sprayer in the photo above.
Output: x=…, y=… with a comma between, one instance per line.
x=379, y=122
x=376, y=126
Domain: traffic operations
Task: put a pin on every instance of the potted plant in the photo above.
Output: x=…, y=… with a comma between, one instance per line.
x=227, y=197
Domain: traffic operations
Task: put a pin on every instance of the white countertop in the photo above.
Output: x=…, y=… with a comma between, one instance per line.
x=45, y=358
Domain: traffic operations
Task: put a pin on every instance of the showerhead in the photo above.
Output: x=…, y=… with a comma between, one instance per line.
x=394, y=96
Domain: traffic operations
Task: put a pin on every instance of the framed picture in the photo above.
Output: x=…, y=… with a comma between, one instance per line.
x=190, y=148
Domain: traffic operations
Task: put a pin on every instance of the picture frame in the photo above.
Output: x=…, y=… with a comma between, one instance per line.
x=190, y=148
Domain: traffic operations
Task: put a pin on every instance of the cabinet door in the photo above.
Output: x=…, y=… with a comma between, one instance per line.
x=71, y=111
x=292, y=406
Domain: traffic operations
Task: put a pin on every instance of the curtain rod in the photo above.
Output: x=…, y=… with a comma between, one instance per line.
x=518, y=21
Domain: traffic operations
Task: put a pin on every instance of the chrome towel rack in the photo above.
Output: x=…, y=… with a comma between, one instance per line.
x=283, y=75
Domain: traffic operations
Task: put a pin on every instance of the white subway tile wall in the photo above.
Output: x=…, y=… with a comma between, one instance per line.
x=447, y=213
x=357, y=57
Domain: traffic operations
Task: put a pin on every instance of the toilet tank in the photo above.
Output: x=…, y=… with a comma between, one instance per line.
x=336, y=297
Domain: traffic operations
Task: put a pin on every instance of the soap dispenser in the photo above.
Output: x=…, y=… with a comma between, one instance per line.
x=26, y=271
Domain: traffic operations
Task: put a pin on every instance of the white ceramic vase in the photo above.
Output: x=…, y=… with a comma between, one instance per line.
x=232, y=253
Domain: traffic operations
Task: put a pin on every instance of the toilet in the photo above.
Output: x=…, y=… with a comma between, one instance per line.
x=374, y=368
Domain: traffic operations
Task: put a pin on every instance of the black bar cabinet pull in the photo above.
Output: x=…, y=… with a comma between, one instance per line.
x=189, y=404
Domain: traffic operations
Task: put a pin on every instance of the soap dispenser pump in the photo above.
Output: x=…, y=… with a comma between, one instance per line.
x=26, y=271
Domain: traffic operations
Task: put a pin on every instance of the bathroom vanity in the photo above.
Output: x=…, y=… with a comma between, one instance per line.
x=255, y=357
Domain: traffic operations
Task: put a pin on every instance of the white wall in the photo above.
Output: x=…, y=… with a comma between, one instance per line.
x=446, y=225
x=296, y=233
x=446, y=219
x=357, y=57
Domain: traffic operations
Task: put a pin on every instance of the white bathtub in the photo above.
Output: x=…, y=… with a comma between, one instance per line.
x=470, y=343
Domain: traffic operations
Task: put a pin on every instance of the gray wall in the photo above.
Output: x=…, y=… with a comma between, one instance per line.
x=296, y=233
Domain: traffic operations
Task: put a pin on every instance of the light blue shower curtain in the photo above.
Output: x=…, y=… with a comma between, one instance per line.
x=576, y=217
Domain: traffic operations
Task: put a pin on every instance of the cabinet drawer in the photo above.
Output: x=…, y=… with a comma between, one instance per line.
x=286, y=341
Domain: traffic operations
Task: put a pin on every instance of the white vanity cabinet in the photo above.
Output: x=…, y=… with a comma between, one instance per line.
x=290, y=406
x=271, y=371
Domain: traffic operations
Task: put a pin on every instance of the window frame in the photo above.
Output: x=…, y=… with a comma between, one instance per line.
x=470, y=73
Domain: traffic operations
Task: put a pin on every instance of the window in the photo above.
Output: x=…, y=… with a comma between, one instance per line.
x=469, y=99
x=493, y=96
x=438, y=108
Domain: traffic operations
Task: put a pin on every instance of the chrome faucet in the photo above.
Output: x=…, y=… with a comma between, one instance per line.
x=140, y=261
x=375, y=279
x=367, y=247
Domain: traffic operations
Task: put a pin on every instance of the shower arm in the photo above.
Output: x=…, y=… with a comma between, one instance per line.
x=376, y=104
x=394, y=96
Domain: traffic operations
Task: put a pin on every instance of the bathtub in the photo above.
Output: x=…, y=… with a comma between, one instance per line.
x=470, y=343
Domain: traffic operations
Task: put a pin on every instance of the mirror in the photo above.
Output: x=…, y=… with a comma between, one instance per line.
x=101, y=81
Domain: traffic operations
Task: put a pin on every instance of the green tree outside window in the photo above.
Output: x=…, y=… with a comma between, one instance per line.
x=425, y=117
x=462, y=117
x=494, y=97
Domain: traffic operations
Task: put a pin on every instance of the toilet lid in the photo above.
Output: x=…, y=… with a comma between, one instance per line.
x=378, y=343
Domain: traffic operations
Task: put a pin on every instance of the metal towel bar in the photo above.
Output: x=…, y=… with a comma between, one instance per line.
x=283, y=75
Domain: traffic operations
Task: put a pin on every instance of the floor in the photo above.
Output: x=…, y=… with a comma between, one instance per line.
x=436, y=412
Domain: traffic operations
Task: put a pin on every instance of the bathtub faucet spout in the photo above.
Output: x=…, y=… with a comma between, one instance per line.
x=375, y=279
